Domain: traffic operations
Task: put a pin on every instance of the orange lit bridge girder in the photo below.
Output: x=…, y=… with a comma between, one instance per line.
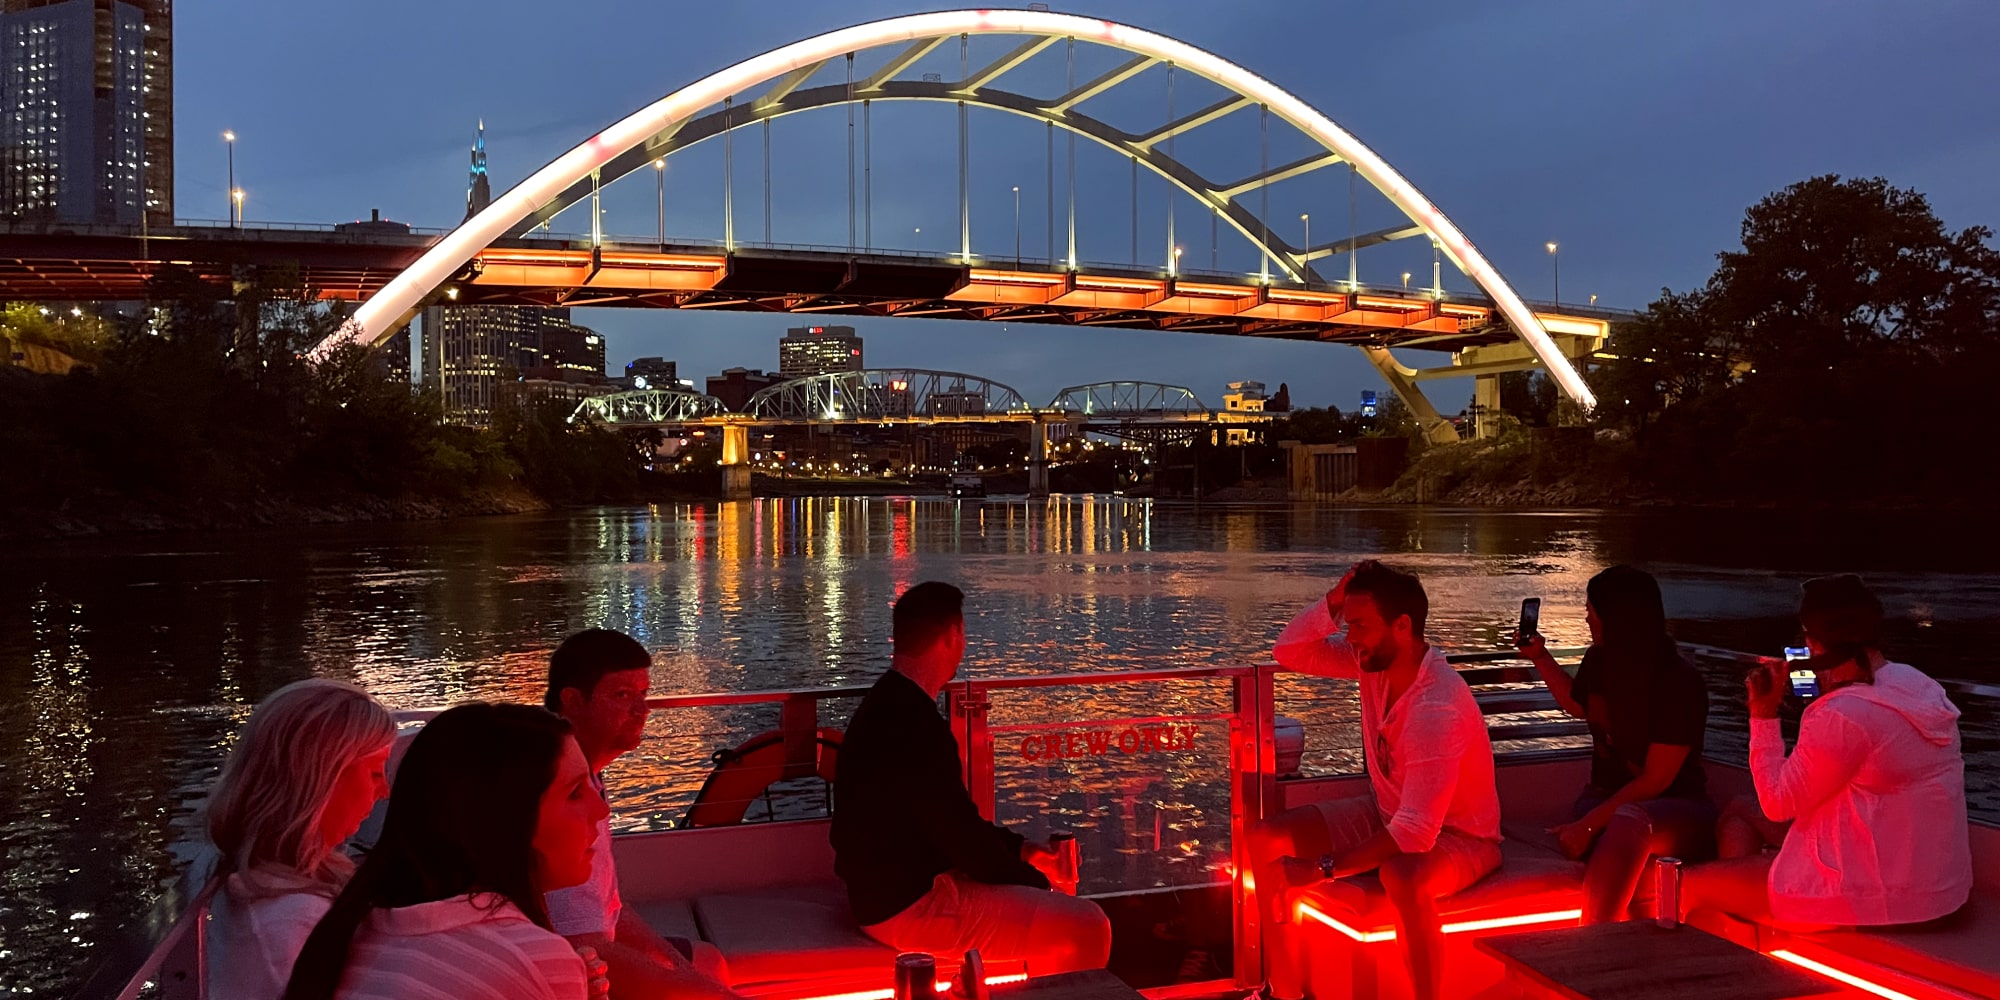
x=938, y=287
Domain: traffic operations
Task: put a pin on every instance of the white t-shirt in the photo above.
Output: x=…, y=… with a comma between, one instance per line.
x=593, y=907
x=1430, y=761
x=257, y=922
x=475, y=947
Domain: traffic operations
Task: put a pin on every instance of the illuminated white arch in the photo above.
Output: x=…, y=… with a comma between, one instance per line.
x=374, y=319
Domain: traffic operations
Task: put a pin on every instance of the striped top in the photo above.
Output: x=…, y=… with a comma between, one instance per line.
x=476, y=947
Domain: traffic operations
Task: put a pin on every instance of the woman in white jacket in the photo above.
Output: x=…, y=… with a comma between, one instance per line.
x=1874, y=789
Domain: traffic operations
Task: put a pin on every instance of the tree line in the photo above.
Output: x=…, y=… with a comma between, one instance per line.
x=1845, y=352
x=208, y=396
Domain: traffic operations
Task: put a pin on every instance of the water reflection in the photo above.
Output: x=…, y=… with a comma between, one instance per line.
x=125, y=664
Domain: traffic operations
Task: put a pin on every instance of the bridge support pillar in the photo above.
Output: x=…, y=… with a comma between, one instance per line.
x=1486, y=406
x=1038, y=459
x=1436, y=429
x=735, y=462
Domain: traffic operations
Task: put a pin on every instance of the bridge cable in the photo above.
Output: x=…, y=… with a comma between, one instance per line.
x=1072, y=159
x=1049, y=195
x=867, y=174
x=767, y=180
x=729, y=173
x=850, y=151
x=1135, y=210
x=1173, y=260
x=1353, y=234
x=964, y=192
x=1264, y=184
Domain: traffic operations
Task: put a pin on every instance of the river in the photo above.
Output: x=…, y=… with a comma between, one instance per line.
x=127, y=663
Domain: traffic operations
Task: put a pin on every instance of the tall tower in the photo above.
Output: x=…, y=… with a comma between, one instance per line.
x=86, y=110
x=479, y=193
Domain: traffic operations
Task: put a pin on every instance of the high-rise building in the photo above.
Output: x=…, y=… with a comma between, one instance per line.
x=817, y=350
x=658, y=371
x=478, y=191
x=471, y=351
x=87, y=111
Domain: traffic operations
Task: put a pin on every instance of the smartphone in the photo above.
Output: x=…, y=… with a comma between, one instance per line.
x=1805, y=683
x=1531, y=619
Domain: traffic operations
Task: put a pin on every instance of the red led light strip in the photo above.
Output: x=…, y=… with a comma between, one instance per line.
x=1308, y=911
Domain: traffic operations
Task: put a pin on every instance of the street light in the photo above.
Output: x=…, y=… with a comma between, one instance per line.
x=1306, y=217
x=1593, y=300
x=1406, y=281
x=1556, y=261
x=1177, y=261
x=1017, y=227
x=236, y=197
x=660, y=179
x=229, y=140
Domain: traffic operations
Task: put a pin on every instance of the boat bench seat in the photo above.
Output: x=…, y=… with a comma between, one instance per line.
x=798, y=939
x=1961, y=952
x=1531, y=879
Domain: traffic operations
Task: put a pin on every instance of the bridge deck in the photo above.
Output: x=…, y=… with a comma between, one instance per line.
x=85, y=263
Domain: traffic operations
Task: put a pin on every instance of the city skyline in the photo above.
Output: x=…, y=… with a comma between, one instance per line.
x=1638, y=156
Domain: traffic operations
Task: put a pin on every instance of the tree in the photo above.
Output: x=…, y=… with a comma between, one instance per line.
x=1835, y=271
x=1675, y=351
x=1529, y=397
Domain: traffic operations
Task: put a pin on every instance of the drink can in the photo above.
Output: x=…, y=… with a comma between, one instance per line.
x=1667, y=892
x=1068, y=859
x=916, y=976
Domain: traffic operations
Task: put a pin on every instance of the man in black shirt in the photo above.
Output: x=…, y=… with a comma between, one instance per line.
x=924, y=870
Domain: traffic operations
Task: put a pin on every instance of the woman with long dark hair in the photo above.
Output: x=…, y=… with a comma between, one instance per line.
x=1648, y=710
x=491, y=808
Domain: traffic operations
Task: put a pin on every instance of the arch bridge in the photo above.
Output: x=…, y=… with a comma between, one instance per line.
x=487, y=259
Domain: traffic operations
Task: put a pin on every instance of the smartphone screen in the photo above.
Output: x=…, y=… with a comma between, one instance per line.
x=1531, y=617
x=1805, y=684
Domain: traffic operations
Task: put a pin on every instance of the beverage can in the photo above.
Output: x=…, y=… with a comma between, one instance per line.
x=1068, y=859
x=916, y=976
x=1667, y=892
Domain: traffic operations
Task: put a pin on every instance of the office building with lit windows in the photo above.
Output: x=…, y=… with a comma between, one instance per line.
x=472, y=352
x=817, y=350
x=86, y=111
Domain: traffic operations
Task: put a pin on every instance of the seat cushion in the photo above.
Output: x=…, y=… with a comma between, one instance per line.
x=792, y=934
x=1527, y=872
x=669, y=918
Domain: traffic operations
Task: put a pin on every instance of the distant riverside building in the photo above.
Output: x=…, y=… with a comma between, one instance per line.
x=471, y=351
x=374, y=225
x=1244, y=397
x=818, y=350
x=735, y=386
x=659, y=373
x=548, y=383
x=87, y=111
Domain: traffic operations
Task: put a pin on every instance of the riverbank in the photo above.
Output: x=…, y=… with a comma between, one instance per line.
x=114, y=515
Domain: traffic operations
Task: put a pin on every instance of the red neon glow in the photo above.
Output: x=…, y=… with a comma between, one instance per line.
x=1840, y=976
x=1308, y=911
x=943, y=986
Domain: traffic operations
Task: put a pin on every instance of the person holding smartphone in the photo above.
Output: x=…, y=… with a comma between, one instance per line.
x=1874, y=790
x=1648, y=712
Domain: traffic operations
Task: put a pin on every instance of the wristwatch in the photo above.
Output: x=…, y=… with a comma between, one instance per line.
x=1326, y=866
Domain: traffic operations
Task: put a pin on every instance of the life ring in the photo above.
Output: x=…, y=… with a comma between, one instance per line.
x=742, y=774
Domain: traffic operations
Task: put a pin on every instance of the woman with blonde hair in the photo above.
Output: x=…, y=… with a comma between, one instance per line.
x=306, y=771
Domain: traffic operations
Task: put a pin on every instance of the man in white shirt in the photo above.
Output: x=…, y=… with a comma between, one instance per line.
x=1432, y=826
x=598, y=680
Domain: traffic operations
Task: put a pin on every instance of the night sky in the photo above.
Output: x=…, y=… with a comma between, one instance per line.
x=1633, y=133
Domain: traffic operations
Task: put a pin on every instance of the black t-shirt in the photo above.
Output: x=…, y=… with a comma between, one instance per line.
x=1635, y=699
x=901, y=813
